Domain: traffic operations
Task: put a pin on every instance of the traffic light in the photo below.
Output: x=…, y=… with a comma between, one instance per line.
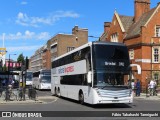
x=27, y=63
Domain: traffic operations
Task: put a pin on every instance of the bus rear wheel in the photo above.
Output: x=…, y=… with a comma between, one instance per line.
x=58, y=93
x=81, y=98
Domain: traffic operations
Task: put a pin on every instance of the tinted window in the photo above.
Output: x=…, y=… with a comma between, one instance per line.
x=74, y=57
x=111, y=57
x=74, y=80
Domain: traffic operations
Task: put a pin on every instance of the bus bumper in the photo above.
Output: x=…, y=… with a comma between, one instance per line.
x=113, y=101
x=110, y=97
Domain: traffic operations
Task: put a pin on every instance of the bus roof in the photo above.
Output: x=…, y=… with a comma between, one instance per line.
x=89, y=44
x=48, y=70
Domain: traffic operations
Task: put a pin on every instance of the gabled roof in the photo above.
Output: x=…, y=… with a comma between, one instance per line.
x=135, y=29
x=103, y=36
x=127, y=21
x=119, y=21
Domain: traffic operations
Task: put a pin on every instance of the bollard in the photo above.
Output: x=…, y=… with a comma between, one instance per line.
x=7, y=95
x=24, y=91
x=30, y=93
x=20, y=94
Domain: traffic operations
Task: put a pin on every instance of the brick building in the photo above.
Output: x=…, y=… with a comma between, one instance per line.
x=63, y=43
x=56, y=46
x=141, y=33
x=36, y=60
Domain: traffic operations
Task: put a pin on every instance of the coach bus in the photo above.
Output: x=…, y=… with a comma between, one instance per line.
x=94, y=73
x=42, y=79
x=27, y=78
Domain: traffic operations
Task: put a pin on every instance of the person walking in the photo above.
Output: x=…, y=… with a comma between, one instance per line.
x=138, y=87
x=4, y=82
x=152, y=87
x=132, y=84
x=155, y=88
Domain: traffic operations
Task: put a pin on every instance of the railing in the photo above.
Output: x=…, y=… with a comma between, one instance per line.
x=18, y=94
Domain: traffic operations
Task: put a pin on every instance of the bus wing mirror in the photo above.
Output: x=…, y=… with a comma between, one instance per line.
x=89, y=77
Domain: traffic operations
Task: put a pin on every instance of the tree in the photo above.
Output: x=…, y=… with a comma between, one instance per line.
x=20, y=59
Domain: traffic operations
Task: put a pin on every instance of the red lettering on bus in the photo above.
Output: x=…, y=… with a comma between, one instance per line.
x=69, y=69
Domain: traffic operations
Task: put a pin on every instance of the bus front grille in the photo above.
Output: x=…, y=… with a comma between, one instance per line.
x=114, y=94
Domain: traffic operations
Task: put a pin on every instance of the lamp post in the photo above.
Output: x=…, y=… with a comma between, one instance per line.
x=7, y=92
x=91, y=36
x=147, y=87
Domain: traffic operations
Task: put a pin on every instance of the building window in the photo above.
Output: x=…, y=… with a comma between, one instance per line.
x=131, y=54
x=156, y=55
x=114, y=37
x=54, y=48
x=156, y=77
x=70, y=49
x=158, y=31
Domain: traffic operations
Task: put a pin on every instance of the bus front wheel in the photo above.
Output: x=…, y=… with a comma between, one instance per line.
x=81, y=98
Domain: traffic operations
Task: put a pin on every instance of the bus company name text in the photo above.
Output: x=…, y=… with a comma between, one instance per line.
x=114, y=63
x=66, y=70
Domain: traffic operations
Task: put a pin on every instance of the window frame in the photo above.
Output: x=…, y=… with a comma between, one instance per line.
x=114, y=37
x=156, y=55
x=131, y=54
x=157, y=31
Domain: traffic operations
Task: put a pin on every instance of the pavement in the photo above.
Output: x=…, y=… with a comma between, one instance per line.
x=147, y=97
x=16, y=100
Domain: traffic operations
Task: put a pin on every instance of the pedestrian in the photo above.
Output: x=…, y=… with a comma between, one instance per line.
x=149, y=88
x=155, y=88
x=132, y=85
x=138, y=87
x=152, y=87
x=10, y=83
x=4, y=82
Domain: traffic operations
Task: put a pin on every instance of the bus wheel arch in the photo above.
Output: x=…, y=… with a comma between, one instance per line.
x=81, y=97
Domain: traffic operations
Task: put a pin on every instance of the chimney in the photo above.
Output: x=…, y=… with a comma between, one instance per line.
x=140, y=7
x=106, y=26
x=75, y=29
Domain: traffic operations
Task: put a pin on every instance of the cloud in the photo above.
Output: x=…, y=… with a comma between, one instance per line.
x=24, y=3
x=25, y=20
x=27, y=35
x=24, y=48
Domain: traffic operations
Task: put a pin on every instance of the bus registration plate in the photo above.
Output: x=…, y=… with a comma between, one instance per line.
x=115, y=101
